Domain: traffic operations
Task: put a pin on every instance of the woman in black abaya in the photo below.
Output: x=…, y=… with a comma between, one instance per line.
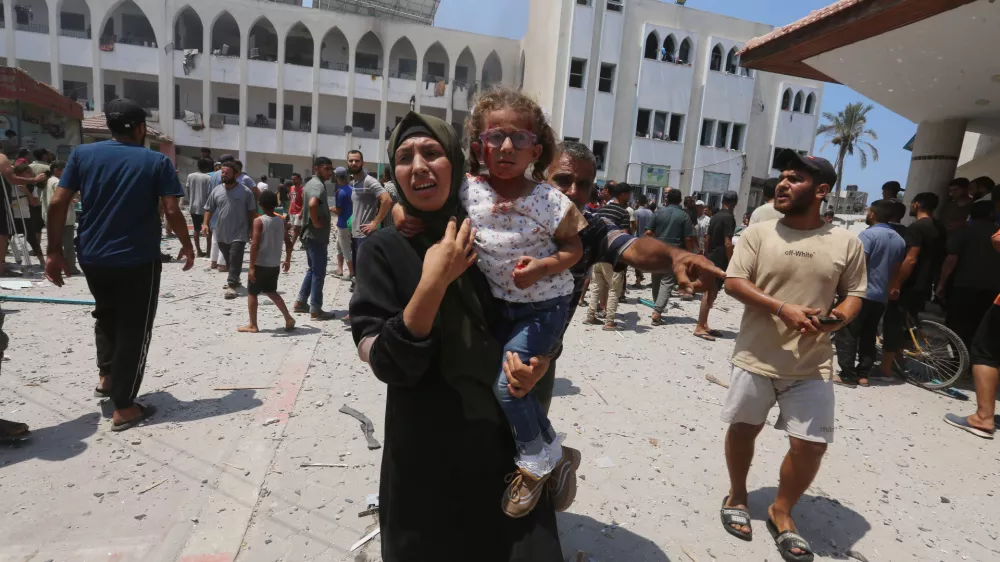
x=420, y=316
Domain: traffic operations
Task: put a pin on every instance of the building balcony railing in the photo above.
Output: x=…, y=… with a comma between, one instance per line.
x=403, y=75
x=219, y=120
x=327, y=65
x=74, y=33
x=301, y=126
x=330, y=130
x=261, y=122
x=433, y=78
x=368, y=70
x=364, y=134
x=32, y=27
x=128, y=40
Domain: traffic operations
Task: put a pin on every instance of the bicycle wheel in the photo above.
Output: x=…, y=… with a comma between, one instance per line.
x=938, y=359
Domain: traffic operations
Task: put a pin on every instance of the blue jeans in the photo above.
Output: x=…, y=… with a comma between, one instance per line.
x=312, y=285
x=530, y=330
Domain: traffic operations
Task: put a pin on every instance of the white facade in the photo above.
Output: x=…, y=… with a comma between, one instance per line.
x=277, y=83
x=672, y=94
x=342, y=80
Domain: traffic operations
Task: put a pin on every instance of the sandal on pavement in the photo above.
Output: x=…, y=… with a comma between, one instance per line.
x=962, y=422
x=98, y=393
x=147, y=412
x=788, y=540
x=735, y=516
x=13, y=432
x=716, y=333
x=706, y=337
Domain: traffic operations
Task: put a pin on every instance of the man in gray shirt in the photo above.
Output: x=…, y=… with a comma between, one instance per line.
x=235, y=208
x=371, y=202
x=316, y=236
x=671, y=225
x=199, y=187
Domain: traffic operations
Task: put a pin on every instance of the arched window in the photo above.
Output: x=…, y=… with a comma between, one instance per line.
x=684, y=53
x=652, y=45
x=786, y=100
x=299, y=46
x=810, y=102
x=226, y=36
x=669, y=49
x=797, y=106
x=716, y=63
x=732, y=61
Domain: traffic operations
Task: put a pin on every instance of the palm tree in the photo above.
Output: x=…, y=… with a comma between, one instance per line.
x=846, y=130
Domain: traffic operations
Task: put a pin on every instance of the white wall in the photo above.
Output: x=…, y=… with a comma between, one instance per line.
x=604, y=104
x=74, y=51
x=576, y=102
x=332, y=111
x=664, y=86
x=657, y=152
x=191, y=98
x=583, y=26
x=31, y=46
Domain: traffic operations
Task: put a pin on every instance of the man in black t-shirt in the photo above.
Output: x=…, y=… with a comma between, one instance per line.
x=719, y=249
x=925, y=239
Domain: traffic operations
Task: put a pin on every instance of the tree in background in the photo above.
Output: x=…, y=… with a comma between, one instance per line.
x=846, y=130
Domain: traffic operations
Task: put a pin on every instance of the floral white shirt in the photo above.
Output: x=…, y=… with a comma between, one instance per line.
x=507, y=230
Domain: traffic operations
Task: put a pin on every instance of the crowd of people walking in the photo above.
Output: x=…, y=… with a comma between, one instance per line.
x=467, y=263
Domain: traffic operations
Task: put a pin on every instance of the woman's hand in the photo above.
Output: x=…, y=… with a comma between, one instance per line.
x=522, y=378
x=447, y=260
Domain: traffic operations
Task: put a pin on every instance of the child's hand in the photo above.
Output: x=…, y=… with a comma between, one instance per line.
x=252, y=274
x=521, y=377
x=447, y=260
x=285, y=266
x=528, y=271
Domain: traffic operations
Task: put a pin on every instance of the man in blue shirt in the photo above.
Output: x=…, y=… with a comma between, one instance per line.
x=345, y=208
x=884, y=251
x=120, y=183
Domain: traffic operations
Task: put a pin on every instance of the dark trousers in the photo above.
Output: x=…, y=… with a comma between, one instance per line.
x=233, y=253
x=966, y=308
x=857, y=340
x=126, y=300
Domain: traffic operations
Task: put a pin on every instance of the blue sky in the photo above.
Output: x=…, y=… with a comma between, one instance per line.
x=509, y=18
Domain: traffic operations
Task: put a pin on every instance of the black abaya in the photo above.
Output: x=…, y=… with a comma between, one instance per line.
x=443, y=466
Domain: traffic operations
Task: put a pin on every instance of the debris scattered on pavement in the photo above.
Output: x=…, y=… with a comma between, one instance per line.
x=323, y=465
x=367, y=427
x=365, y=539
x=689, y=554
x=269, y=421
x=712, y=378
x=605, y=462
x=153, y=486
x=856, y=555
x=234, y=466
x=654, y=442
x=242, y=388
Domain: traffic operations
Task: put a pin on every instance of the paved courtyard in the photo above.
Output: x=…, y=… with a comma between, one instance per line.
x=218, y=476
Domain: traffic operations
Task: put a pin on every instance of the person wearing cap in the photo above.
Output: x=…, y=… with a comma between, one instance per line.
x=120, y=185
x=316, y=235
x=766, y=212
x=344, y=207
x=891, y=190
x=787, y=273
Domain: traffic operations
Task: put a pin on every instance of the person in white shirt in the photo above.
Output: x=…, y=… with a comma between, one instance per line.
x=262, y=184
x=69, y=233
x=701, y=225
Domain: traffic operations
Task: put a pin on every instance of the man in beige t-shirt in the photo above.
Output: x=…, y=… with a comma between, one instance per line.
x=788, y=273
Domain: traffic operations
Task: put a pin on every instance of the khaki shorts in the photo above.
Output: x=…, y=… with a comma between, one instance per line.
x=806, y=407
x=295, y=220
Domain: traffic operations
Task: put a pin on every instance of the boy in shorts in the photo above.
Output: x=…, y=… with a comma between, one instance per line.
x=270, y=233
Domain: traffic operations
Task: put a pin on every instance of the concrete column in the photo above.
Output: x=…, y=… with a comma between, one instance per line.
x=279, y=113
x=314, y=129
x=166, y=61
x=449, y=93
x=242, y=144
x=95, y=56
x=383, y=113
x=935, y=157
x=206, y=84
x=351, y=79
x=593, y=75
x=8, y=36
x=419, y=80
x=55, y=70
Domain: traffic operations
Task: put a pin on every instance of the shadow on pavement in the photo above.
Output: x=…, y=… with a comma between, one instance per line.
x=170, y=409
x=630, y=321
x=564, y=387
x=825, y=523
x=53, y=443
x=300, y=330
x=602, y=541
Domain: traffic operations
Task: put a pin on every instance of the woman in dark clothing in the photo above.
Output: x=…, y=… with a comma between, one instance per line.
x=420, y=316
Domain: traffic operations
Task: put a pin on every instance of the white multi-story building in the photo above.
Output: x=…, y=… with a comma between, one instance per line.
x=655, y=88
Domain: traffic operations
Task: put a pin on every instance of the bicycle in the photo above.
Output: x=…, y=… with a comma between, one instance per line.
x=934, y=357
